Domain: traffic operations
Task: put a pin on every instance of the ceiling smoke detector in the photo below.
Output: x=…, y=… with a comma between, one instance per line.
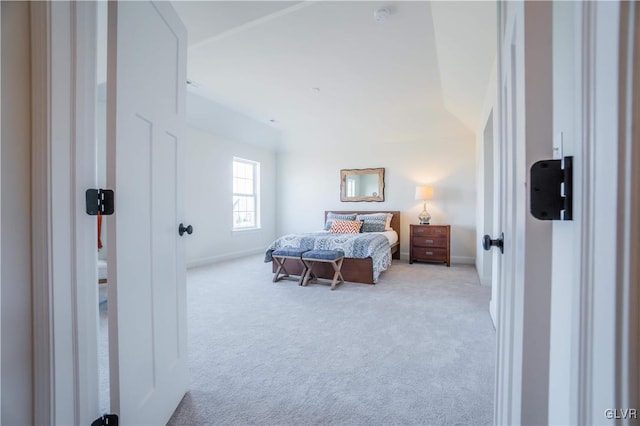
x=381, y=15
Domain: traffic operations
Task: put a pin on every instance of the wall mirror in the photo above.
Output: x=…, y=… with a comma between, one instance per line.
x=362, y=184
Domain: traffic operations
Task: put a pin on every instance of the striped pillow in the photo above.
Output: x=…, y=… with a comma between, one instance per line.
x=345, y=227
x=333, y=216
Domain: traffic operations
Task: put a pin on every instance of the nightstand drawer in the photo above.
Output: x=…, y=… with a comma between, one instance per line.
x=430, y=254
x=429, y=241
x=430, y=230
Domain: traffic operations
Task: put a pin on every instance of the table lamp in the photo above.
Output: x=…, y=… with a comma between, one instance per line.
x=424, y=193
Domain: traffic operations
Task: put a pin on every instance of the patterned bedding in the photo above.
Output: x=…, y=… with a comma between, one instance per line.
x=360, y=246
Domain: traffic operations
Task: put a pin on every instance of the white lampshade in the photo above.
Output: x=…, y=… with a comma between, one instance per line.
x=424, y=192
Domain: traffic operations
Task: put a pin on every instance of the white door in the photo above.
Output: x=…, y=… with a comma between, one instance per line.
x=145, y=141
x=503, y=271
x=524, y=270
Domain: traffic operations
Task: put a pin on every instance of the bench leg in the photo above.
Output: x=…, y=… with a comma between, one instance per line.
x=303, y=274
x=280, y=267
x=283, y=269
x=308, y=273
x=338, y=274
x=337, y=266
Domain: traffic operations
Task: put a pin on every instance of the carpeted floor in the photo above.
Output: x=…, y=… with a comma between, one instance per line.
x=418, y=348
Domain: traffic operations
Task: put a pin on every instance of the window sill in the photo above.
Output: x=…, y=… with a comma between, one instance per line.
x=257, y=228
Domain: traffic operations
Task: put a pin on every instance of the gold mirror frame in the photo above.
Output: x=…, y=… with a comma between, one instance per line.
x=376, y=193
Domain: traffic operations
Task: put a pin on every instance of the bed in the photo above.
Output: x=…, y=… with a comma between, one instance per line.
x=361, y=270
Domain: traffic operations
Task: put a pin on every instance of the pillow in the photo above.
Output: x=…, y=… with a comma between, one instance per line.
x=388, y=224
x=375, y=222
x=377, y=216
x=345, y=227
x=342, y=216
x=372, y=226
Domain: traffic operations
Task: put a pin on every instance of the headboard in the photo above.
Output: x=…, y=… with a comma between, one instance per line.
x=395, y=220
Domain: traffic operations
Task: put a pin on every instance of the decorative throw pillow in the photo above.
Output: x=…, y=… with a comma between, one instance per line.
x=345, y=227
x=373, y=226
x=374, y=222
x=333, y=216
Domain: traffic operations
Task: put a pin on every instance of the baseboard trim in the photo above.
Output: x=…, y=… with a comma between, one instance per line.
x=466, y=260
x=220, y=258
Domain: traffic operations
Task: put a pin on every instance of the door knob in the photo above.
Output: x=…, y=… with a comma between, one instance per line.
x=487, y=242
x=182, y=229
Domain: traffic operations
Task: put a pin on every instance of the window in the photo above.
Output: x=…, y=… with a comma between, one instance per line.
x=246, y=181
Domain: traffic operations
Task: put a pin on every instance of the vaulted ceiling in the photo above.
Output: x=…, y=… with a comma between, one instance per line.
x=328, y=72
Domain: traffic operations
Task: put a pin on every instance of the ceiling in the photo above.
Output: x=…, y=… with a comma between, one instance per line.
x=328, y=73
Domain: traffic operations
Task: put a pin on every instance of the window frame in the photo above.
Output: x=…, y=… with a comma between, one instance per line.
x=255, y=194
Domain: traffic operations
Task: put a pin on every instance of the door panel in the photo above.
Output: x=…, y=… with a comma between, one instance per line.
x=164, y=217
x=147, y=297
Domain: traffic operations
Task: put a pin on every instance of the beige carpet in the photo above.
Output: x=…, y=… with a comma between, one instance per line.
x=417, y=348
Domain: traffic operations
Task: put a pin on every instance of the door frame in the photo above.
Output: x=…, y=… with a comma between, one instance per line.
x=600, y=318
x=63, y=39
x=628, y=297
x=0, y=187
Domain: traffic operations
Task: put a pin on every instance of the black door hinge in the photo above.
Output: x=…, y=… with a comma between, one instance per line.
x=552, y=189
x=99, y=201
x=106, y=420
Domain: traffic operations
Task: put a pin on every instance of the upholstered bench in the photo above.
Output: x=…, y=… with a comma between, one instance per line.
x=281, y=255
x=335, y=257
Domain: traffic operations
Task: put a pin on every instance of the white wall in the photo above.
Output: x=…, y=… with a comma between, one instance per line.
x=16, y=333
x=308, y=183
x=209, y=182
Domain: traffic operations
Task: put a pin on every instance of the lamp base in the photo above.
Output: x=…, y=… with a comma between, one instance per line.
x=424, y=217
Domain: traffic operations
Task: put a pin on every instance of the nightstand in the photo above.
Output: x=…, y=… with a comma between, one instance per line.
x=430, y=243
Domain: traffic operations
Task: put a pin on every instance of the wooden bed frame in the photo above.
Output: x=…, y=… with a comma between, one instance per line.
x=354, y=270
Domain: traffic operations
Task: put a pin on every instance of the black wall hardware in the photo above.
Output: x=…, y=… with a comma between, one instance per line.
x=182, y=229
x=487, y=243
x=552, y=189
x=106, y=420
x=99, y=201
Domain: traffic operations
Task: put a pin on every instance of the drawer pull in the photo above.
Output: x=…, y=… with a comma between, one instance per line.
x=419, y=230
x=438, y=231
x=428, y=241
x=429, y=253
